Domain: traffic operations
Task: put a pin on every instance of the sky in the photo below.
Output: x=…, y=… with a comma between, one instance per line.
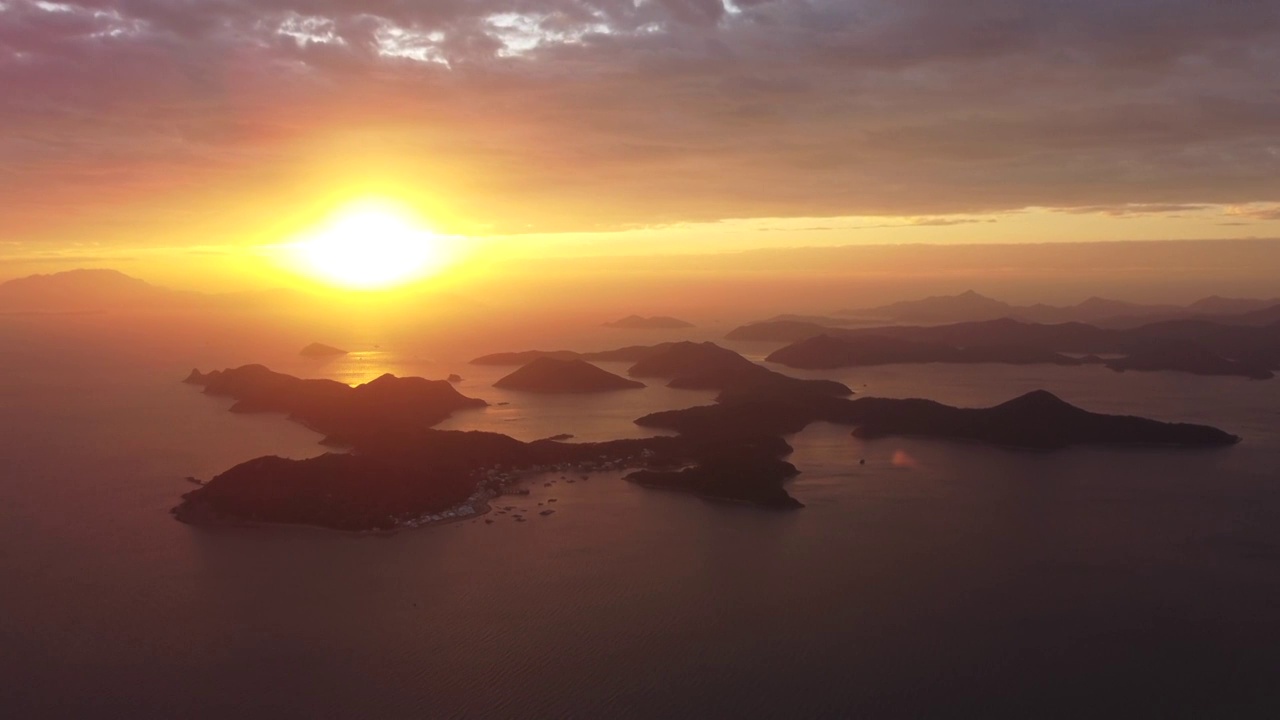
x=181, y=130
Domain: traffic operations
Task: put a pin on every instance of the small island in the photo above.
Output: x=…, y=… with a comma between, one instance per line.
x=321, y=350
x=658, y=322
x=552, y=376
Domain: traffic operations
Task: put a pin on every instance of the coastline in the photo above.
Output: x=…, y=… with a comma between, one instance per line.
x=717, y=499
x=209, y=520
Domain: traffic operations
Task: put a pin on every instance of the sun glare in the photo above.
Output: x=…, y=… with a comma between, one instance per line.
x=370, y=245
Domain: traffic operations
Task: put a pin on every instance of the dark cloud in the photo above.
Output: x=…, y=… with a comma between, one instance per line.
x=577, y=114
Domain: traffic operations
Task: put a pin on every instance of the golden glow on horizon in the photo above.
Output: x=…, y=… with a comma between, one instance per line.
x=371, y=245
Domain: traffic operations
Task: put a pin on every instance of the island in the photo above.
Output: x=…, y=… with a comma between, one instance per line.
x=553, y=376
x=1255, y=347
x=342, y=413
x=971, y=306
x=321, y=350
x=1037, y=420
x=707, y=366
x=748, y=478
x=687, y=365
x=400, y=471
x=1188, y=357
x=824, y=352
x=631, y=353
x=636, y=322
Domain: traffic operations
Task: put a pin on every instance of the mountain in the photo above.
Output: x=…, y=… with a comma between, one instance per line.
x=972, y=307
x=779, y=331
x=84, y=290
x=635, y=322
x=1189, y=357
x=343, y=413
x=824, y=352
x=1264, y=316
x=1064, y=337
x=967, y=305
x=631, y=353
x=98, y=290
x=553, y=376
x=1037, y=420
x=1254, y=349
x=1215, y=305
x=707, y=366
x=321, y=350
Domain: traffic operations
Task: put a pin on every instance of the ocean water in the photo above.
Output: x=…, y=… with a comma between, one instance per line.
x=937, y=580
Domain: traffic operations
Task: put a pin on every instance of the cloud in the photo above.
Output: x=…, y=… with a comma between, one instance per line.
x=1256, y=211
x=553, y=115
x=1138, y=209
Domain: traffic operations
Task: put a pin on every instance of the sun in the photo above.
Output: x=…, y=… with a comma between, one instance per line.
x=370, y=245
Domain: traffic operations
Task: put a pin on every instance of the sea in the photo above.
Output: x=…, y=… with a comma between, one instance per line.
x=934, y=580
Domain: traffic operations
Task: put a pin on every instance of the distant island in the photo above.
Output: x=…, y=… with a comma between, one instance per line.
x=554, y=376
x=636, y=322
x=707, y=366
x=687, y=365
x=86, y=289
x=1246, y=350
x=321, y=350
x=400, y=471
x=1189, y=357
x=971, y=306
x=631, y=353
x=106, y=290
x=822, y=352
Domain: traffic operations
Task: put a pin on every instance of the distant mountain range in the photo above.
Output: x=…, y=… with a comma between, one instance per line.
x=98, y=290
x=660, y=322
x=1199, y=346
x=971, y=306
